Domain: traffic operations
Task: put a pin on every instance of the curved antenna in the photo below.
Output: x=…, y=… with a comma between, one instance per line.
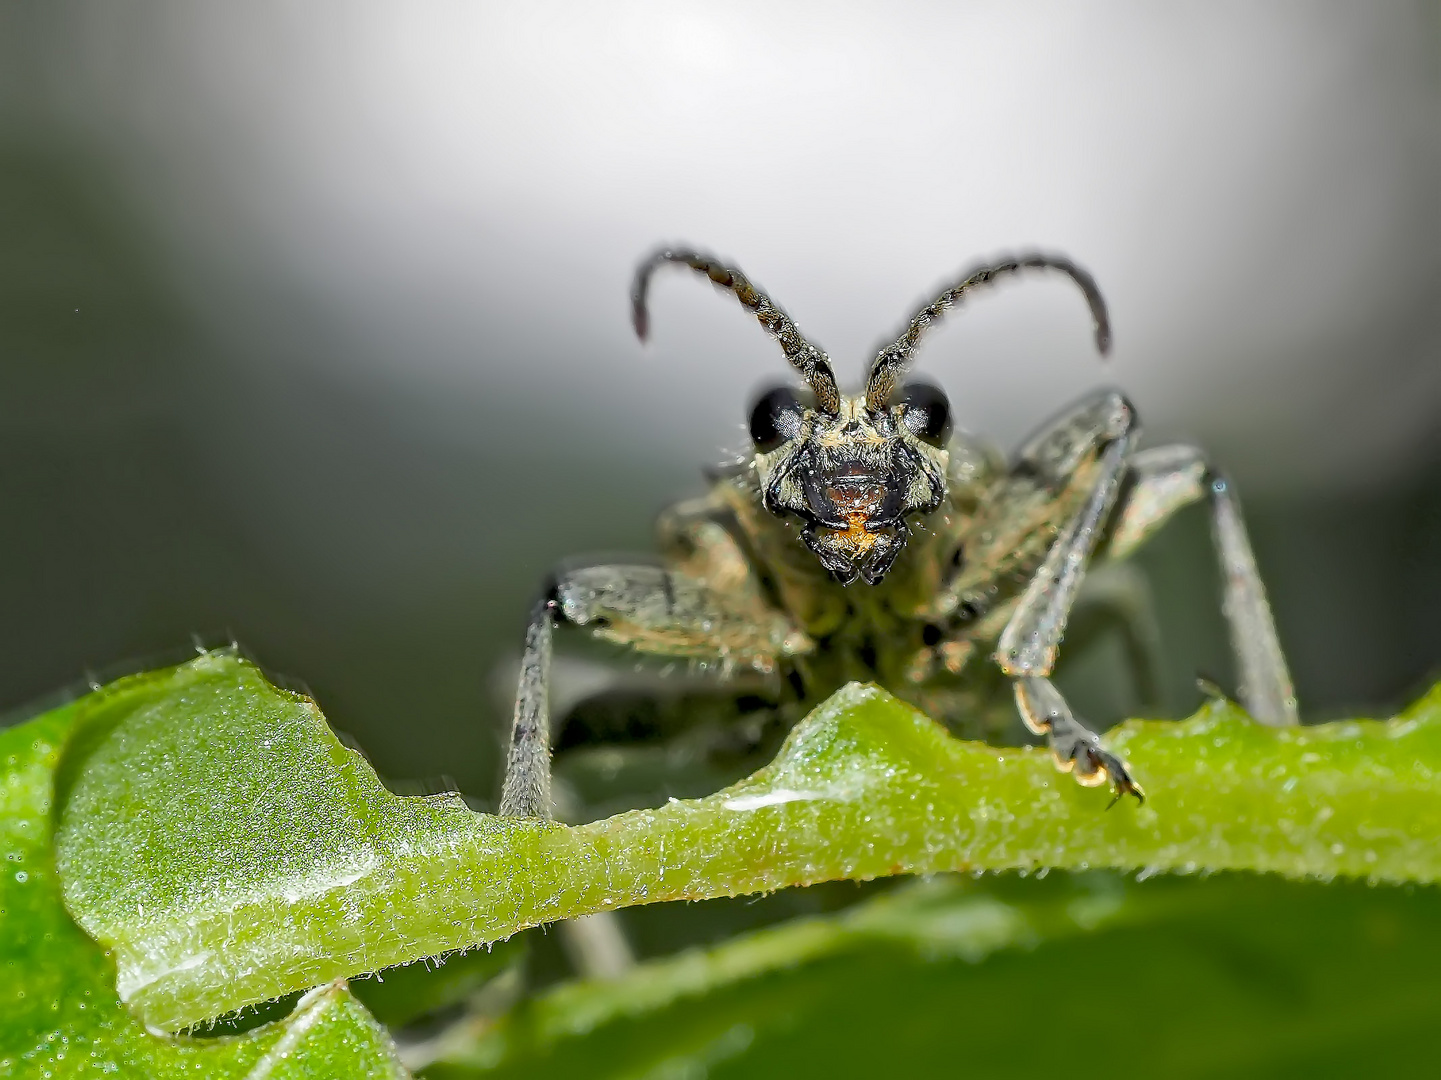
x=893, y=360
x=814, y=365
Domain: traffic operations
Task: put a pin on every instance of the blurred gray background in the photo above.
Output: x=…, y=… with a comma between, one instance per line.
x=313, y=327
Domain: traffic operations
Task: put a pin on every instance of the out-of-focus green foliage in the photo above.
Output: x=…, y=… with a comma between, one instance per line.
x=221, y=842
x=1076, y=976
x=59, y=1012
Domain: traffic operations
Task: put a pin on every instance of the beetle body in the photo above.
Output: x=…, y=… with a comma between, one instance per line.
x=863, y=538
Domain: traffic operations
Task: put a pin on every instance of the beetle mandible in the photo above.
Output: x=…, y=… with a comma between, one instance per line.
x=863, y=537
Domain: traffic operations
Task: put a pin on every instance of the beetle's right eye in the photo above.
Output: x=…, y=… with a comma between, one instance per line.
x=926, y=412
x=776, y=418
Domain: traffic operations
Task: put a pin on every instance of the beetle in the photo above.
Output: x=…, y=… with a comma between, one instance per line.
x=864, y=537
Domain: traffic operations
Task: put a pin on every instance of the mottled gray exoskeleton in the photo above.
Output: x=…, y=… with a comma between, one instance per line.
x=863, y=539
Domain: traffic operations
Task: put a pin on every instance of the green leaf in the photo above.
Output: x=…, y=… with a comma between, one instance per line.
x=1085, y=976
x=59, y=1012
x=227, y=849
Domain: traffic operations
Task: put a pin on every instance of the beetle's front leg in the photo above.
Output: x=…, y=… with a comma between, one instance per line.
x=1074, y=746
x=655, y=610
x=526, y=791
x=1026, y=651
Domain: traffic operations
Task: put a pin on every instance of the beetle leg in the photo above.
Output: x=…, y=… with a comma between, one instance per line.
x=1016, y=523
x=597, y=946
x=654, y=609
x=526, y=791
x=1026, y=651
x=1161, y=482
x=1075, y=746
x=1265, y=684
x=1029, y=642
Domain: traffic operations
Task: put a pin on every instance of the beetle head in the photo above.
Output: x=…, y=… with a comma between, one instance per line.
x=852, y=478
x=852, y=468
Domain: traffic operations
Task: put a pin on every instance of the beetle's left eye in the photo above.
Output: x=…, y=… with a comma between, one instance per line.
x=775, y=418
x=925, y=412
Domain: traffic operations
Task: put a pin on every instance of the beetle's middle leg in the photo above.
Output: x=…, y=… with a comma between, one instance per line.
x=654, y=609
x=1026, y=651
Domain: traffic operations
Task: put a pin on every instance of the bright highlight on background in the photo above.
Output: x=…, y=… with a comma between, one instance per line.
x=314, y=325
x=467, y=186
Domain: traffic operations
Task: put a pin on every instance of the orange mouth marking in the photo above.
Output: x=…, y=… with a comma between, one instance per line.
x=856, y=538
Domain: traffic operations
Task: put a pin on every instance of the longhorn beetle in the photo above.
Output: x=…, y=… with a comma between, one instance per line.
x=865, y=538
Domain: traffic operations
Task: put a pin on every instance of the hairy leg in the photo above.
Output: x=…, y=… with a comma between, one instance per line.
x=526, y=790
x=1018, y=517
x=1030, y=640
x=1027, y=649
x=654, y=609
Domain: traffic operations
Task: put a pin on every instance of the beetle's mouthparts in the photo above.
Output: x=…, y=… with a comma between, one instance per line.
x=859, y=550
x=855, y=541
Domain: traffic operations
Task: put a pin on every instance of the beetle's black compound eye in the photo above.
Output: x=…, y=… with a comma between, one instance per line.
x=926, y=412
x=776, y=418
